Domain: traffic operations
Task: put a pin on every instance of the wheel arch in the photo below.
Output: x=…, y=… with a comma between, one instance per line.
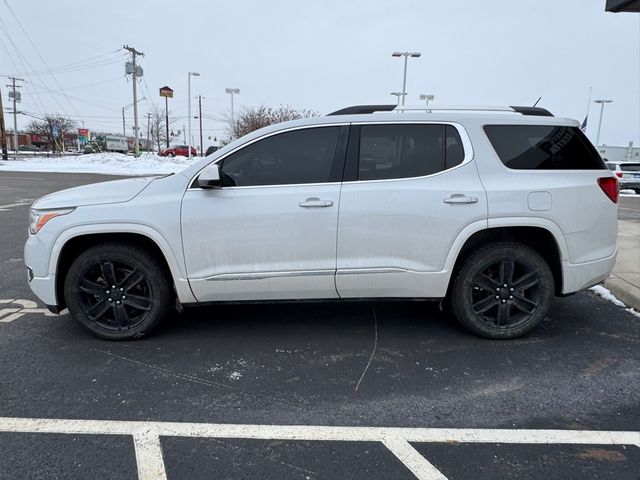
x=74, y=241
x=538, y=238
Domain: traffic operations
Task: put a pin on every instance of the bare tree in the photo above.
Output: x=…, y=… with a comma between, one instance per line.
x=250, y=119
x=53, y=129
x=159, y=127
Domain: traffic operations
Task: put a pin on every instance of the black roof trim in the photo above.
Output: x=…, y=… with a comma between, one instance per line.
x=362, y=109
x=617, y=6
x=535, y=111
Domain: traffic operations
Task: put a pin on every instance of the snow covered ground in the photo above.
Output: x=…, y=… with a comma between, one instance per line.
x=105, y=163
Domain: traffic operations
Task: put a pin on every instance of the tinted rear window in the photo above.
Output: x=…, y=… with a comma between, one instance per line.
x=630, y=167
x=543, y=147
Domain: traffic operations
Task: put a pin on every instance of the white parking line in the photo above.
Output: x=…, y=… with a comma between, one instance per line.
x=150, y=464
x=8, y=315
x=4, y=208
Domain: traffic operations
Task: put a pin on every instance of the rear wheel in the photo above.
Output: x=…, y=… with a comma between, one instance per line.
x=118, y=291
x=502, y=291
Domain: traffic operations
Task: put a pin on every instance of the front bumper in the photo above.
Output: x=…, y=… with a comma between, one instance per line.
x=45, y=289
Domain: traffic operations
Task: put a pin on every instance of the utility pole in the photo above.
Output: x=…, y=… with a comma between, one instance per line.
x=146, y=147
x=3, y=133
x=184, y=134
x=124, y=128
x=16, y=98
x=200, y=118
x=166, y=118
x=134, y=74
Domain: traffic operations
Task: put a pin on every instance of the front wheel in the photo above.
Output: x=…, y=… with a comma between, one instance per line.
x=502, y=291
x=118, y=291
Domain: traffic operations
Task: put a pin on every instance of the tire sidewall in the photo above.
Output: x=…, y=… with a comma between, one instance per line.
x=477, y=262
x=159, y=290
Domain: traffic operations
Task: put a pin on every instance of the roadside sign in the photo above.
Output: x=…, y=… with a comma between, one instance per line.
x=83, y=135
x=166, y=92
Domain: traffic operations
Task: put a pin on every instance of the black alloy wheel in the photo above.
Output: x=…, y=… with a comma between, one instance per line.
x=502, y=290
x=119, y=291
x=114, y=295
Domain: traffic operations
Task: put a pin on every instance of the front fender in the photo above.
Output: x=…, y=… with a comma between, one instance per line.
x=176, y=266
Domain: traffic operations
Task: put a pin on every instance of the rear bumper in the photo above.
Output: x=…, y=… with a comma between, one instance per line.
x=578, y=276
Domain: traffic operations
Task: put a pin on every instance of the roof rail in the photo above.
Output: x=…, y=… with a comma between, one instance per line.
x=366, y=109
x=362, y=109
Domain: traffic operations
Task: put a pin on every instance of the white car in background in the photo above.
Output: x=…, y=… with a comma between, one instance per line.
x=628, y=174
x=495, y=210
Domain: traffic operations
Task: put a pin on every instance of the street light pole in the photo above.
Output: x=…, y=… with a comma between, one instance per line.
x=406, y=56
x=601, y=102
x=427, y=98
x=200, y=120
x=397, y=95
x=124, y=129
x=232, y=91
x=191, y=74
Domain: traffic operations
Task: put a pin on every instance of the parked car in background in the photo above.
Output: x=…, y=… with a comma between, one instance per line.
x=628, y=174
x=211, y=149
x=492, y=212
x=177, y=150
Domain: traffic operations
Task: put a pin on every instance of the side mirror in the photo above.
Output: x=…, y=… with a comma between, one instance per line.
x=209, y=177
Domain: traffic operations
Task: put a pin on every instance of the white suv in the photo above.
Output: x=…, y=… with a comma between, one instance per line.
x=495, y=210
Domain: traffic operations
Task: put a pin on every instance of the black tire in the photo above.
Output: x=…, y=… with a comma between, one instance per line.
x=142, y=299
x=481, y=302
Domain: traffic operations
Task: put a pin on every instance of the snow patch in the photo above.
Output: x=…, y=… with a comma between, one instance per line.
x=606, y=294
x=234, y=376
x=103, y=163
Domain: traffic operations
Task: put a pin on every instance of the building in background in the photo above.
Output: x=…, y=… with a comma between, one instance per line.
x=620, y=154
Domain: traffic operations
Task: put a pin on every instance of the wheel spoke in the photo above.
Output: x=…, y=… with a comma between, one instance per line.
x=526, y=281
x=121, y=315
x=507, y=266
x=132, y=279
x=484, y=304
x=108, y=273
x=98, y=310
x=528, y=302
x=92, y=288
x=485, y=282
x=524, y=305
x=503, y=314
x=138, y=302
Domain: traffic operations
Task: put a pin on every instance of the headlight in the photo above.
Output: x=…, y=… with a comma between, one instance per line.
x=39, y=218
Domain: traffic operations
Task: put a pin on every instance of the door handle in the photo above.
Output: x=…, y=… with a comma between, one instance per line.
x=315, y=202
x=460, y=198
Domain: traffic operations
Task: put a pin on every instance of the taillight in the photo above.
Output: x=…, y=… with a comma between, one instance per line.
x=619, y=174
x=609, y=186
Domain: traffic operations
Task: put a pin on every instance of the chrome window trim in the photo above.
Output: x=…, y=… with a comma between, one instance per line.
x=469, y=153
x=267, y=135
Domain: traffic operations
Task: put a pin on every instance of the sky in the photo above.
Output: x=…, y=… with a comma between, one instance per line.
x=322, y=56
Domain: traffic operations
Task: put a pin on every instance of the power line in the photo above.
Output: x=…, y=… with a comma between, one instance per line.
x=18, y=70
x=38, y=52
x=83, y=63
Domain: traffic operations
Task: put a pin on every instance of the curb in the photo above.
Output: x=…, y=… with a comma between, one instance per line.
x=624, y=291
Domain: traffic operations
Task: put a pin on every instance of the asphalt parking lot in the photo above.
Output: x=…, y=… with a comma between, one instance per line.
x=253, y=388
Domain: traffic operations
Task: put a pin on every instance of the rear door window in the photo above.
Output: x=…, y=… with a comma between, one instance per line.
x=543, y=147
x=388, y=151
